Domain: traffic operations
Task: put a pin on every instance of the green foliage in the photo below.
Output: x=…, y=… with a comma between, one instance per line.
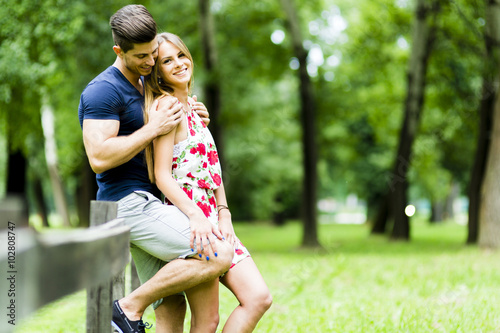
x=55, y=47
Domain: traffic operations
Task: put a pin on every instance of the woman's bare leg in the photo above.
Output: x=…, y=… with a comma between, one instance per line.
x=247, y=284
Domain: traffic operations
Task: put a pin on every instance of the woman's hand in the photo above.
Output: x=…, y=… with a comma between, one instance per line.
x=201, y=110
x=226, y=227
x=203, y=233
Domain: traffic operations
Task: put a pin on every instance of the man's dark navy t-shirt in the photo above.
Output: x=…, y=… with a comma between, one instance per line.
x=110, y=96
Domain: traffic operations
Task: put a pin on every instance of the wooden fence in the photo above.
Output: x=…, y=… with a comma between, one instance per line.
x=38, y=268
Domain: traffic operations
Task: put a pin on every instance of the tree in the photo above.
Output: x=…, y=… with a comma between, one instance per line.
x=212, y=89
x=486, y=111
x=396, y=200
x=489, y=212
x=308, y=120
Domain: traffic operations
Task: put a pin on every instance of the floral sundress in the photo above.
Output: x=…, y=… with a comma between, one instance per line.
x=196, y=168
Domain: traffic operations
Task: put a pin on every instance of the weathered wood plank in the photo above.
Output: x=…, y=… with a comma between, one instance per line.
x=100, y=298
x=49, y=266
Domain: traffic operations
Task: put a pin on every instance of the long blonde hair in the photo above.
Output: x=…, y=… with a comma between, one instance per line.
x=156, y=87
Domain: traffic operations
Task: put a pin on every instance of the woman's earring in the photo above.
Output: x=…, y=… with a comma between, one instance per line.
x=160, y=81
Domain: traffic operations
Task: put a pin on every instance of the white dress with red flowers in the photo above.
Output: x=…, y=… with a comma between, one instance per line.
x=196, y=168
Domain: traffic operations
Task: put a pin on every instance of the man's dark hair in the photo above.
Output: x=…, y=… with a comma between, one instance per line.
x=132, y=24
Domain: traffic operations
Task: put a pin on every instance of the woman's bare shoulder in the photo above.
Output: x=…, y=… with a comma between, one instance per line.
x=165, y=100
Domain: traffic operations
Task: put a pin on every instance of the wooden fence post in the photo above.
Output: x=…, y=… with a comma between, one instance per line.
x=99, y=299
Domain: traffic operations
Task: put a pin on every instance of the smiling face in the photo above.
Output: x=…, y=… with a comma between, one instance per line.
x=140, y=59
x=175, y=66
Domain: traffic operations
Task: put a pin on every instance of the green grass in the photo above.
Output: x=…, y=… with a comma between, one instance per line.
x=357, y=283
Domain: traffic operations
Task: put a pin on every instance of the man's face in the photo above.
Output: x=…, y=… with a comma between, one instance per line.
x=141, y=59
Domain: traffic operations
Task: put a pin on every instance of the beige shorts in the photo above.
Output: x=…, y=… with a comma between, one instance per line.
x=159, y=233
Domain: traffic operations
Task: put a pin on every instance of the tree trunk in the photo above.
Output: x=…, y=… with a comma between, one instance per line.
x=490, y=82
x=16, y=186
x=449, y=210
x=437, y=211
x=16, y=174
x=279, y=214
x=398, y=182
x=211, y=88
x=51, y=158
x=308, y=119
x=489, y=205
x=379, y=225
x=39, y=199
x=86, y=191
x=489, y=208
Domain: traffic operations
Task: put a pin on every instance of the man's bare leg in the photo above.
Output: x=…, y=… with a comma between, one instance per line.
x=177, y=276
x=203, y=301
x=170, y=314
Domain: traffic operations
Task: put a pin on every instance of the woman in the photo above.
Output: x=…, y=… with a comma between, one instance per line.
x=186, y=169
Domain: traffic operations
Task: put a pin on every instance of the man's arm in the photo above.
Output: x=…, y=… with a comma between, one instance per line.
x=106, y=150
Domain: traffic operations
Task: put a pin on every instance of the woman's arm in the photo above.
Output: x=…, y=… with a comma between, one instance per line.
x=202, y=231
x=225, y=221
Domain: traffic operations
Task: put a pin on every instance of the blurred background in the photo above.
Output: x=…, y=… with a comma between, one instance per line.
x=324, y=111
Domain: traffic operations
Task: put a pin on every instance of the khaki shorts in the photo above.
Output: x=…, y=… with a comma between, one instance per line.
x=158, y=233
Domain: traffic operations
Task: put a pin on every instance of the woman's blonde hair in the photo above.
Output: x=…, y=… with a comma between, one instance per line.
x=156, y=87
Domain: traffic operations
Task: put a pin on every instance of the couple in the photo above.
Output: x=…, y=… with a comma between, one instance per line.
x=145, y=136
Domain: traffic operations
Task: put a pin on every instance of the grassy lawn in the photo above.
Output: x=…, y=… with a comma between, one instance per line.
x=357, y=283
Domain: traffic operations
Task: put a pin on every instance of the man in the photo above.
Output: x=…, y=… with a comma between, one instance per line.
x=115, y=136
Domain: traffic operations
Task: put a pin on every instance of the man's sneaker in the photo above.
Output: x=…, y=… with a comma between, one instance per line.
x=123, y=325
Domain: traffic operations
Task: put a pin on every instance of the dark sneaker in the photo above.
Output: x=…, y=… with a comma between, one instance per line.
x=123, y=325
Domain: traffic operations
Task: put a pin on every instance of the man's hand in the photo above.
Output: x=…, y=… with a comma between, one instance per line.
x=201, y=109
x=165, y=114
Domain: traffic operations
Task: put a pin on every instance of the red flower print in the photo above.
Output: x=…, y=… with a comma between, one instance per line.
x=193, y=133
x=205, y=208
x=216, y=178
x=212, y=157
x=174, y=166
x=190, y=175
x=211, y=200
x=193, y=150
x=203, y=184
x=205, y=165
x=201, y=149
x=238, y=251
x=188, y=192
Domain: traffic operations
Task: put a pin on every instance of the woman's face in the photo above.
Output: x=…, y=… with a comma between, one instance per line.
x=175, y=66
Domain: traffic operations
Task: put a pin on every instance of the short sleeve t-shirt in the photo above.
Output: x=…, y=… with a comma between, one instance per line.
x=110, y=96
